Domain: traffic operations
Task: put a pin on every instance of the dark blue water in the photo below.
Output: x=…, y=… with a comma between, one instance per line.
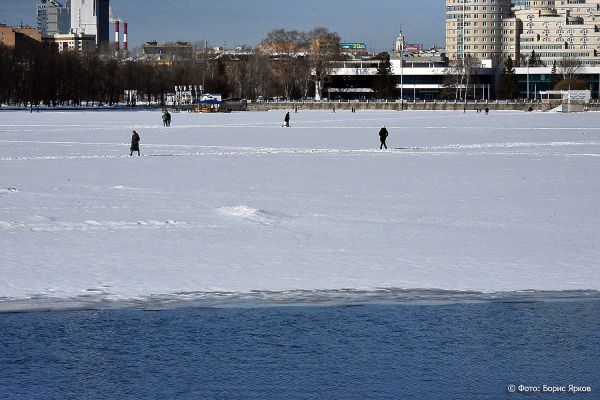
x=454, y=351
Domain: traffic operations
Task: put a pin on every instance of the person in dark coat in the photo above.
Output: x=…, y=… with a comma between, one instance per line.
x=166, y=117
x=287, y=120
x=487, y=111
x=383, y=134
x=135, y=143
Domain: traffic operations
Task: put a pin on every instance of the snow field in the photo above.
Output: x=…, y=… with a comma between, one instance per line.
x=233, y=203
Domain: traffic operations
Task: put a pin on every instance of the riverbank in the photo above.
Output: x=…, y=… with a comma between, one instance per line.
x=422, y=106
x=439, y=105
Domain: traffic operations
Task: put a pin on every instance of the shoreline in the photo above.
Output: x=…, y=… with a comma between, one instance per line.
x=346, y=106
x=291, y=298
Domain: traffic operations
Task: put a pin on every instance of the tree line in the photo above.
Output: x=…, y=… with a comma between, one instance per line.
x=291, y=64
x=294, y=64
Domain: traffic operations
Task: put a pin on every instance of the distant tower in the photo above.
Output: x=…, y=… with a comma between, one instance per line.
x=125, y=48
x=43, y=9
x=92, y=18
x=400, y=44
x=59, y=19
x=103, y=20
x=117, y=47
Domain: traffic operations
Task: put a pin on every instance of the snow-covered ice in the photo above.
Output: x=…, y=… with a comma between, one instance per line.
x=234, y=203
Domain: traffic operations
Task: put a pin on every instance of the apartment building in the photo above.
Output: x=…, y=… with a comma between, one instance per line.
x=558, y=29
x=495, y=29
x=478, y=28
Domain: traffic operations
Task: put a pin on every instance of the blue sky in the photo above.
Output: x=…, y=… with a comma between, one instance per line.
x=237, y=22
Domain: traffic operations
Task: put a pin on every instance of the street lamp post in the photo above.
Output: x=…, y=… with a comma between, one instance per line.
x=527, y=78
x=402, y=77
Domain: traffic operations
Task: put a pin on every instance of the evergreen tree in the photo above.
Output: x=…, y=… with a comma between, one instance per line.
x=554, y=77
x=383, y=86
x=507, y=82
x=535, y=60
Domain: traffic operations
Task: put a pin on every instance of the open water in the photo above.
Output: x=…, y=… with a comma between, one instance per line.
x=396, y=351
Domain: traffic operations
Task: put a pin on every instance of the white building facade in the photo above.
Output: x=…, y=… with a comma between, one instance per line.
x=91, y=17
x=76, y=42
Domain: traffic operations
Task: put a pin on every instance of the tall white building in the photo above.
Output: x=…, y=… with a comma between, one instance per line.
x=91, y=17
x=477, y=28
x=495, y=29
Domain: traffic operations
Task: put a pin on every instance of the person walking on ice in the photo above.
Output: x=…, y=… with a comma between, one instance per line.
x=287, y=120
x=166, y=117
x=383, y=134
x=135, y=143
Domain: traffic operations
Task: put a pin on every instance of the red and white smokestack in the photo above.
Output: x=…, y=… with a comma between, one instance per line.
x=125, y=36
x=117, y=35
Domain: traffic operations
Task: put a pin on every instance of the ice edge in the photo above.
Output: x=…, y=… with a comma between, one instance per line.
x=260, y=299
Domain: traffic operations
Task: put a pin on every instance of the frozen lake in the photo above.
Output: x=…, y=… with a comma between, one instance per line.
x=228, y=205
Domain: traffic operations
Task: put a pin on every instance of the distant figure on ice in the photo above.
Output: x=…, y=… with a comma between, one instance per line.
x=135, y=143
x=287, y=120
x=333, y=108
x=166, y=117
x=487, y=111
x=383, y=134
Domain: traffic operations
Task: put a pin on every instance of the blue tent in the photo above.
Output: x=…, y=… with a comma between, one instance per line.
x=210, y=102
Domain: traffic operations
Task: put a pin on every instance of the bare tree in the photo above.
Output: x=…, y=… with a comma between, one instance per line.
x=570, y=67
x=459, y=75
x=325, y=50
x=259, y=76
x=285, y=47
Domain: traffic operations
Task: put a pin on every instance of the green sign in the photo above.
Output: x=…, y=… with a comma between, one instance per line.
x=353, y=46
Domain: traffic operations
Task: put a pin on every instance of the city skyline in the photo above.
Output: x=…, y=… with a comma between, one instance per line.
x=247, y=23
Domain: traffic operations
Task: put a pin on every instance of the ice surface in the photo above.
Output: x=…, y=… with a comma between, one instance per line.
x=236, y=204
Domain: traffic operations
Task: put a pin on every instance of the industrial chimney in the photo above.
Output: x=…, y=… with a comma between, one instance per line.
x=117, y=34
x=125, y=36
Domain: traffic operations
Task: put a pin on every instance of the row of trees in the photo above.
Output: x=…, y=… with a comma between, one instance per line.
x=289, y=63
x=294, y=64
x=42, y=76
